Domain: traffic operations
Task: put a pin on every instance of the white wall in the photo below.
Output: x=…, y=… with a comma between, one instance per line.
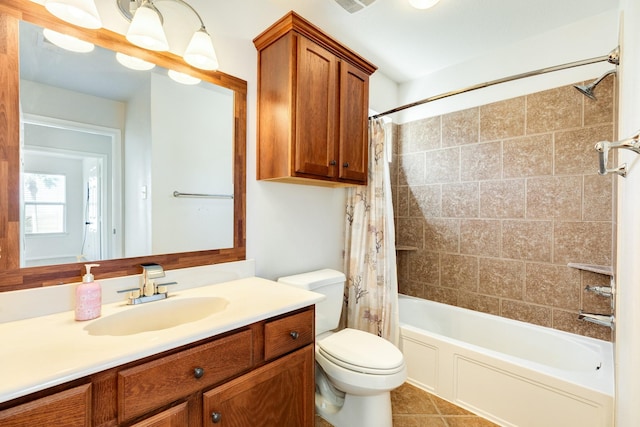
x=589, y=38
x=627, y=336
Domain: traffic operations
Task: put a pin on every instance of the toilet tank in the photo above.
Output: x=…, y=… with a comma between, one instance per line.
x=328, y=282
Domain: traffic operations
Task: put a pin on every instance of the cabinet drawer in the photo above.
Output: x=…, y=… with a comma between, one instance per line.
x=159, y=382
x=289, y=333
x=69, y=408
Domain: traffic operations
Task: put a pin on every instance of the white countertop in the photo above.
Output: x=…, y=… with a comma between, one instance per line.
x=45, y=351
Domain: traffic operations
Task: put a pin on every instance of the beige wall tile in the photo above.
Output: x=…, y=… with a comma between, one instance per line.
x=527, y=240
x=478, y=302
x=411, y=169
x=501, y=278
x=502, y=199
x=459, y=271
x=554, y=109
x=528, y=156
x=425, y=200
x=481, y=162
x=409, y=232
x=440, y=294
x=598, y=198
x=424, y=267
x=500, y=243
x=552, y=285
x=442, y=235
x=524, y=312
x=584, y=242
x=420, y=135
x=401, y=201
x=460, y=127
x=444, y=166
x=504, y=119
x=461, y=200
x=480, y=237
x=574, y=152
x=414, y=289
x=554, y=197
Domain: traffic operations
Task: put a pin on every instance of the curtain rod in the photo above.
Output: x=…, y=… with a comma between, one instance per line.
x=612, y=58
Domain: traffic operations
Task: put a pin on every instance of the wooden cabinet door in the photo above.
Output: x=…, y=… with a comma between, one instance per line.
x=69, y=408
x=315, y=110
x=354, y=138
x=280, y=393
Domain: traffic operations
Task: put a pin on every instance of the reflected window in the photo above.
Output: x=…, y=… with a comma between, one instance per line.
x=45, y=198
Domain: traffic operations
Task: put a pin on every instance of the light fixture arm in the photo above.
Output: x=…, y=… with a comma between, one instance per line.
x=123, y=5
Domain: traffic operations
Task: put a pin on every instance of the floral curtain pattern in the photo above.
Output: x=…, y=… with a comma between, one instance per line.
x=371, y=295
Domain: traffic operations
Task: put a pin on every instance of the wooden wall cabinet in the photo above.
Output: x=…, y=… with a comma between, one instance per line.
x=313, y=101
x=259, y=375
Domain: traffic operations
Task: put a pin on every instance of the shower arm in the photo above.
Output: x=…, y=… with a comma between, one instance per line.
x=603, y=147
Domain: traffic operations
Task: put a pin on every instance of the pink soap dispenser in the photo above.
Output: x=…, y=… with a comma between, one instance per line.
x=88, y=296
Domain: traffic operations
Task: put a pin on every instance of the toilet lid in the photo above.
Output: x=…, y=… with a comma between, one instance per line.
x=361, y=351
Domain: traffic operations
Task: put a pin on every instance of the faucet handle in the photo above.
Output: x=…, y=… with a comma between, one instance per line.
x=133, y=292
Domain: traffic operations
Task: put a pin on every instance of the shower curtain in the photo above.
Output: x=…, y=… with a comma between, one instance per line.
x=371, y=295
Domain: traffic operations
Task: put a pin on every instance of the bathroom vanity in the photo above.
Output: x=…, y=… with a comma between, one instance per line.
x=249, y=363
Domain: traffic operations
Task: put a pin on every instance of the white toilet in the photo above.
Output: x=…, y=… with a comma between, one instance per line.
x=355, y=370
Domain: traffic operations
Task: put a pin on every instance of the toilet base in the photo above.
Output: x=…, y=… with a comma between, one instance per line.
x=357, y=411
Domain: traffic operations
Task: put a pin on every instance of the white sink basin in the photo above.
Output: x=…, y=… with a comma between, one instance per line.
x=157, y=315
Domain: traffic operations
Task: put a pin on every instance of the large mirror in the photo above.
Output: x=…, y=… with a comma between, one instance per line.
x=115, y=164
x=112, y=156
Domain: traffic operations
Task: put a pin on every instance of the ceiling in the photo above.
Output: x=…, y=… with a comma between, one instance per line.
x=406, y=43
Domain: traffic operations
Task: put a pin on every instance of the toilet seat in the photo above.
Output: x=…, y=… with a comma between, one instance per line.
x=361, y=351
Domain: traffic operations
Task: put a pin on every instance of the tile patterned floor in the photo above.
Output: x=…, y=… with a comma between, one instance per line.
x=413, y=407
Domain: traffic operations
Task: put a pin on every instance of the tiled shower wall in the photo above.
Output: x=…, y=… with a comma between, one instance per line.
x=493, y=202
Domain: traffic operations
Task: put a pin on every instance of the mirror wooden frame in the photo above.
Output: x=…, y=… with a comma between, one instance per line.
x=12, y=277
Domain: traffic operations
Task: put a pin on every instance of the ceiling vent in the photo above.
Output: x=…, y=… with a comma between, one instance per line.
x=352, y=6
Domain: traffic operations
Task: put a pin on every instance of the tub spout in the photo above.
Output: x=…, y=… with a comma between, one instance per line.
x=598, y=319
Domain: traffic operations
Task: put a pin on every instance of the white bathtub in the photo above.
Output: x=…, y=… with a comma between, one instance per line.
x=510, y=372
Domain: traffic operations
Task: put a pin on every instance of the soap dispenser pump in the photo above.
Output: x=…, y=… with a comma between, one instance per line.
x=88, y=296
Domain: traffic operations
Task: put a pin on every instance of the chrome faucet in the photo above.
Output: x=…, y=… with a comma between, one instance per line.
x=598, y=319
x=149, y=290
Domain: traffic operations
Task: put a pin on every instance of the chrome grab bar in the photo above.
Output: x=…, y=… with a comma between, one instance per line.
x=202, y=195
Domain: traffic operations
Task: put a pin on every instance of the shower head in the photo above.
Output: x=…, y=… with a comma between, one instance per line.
x=587, y=90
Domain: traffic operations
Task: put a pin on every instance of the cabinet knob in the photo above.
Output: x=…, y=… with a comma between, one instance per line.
x=345, y=165
x=216, y=417
x=294, y=335
x=198, y=372
x=332, y=163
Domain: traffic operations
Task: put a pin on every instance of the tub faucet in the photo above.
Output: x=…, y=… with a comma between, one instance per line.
x=149, y=290
x=598, y=319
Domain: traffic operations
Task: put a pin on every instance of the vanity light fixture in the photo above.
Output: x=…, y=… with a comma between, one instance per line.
x=67, y=42
x=423, y=4
x=146, y=31
x=134, y=63
x=145, y=28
